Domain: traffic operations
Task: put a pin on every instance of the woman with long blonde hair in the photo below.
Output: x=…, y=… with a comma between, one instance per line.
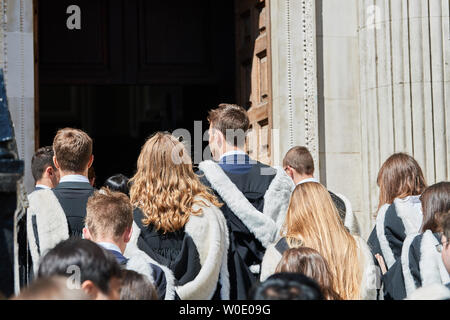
x=312, y=221
x=178, y=222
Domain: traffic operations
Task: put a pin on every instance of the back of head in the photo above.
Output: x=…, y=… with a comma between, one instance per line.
x=312, y=221
x=232, y=121
x=287, y=286
x=73, y=149
x=108, y=214
x=82, y=258
x=400, y=176
x=165, y=187
x=42, y=159
x=118, y=182
x=310, y=263
x=51, y=288
x=136, y=286
x=435, y=199
x=300, y=159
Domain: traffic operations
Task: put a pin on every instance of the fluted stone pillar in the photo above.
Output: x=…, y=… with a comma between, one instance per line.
x=17, y=60
x=294, y=77
x=404, y=87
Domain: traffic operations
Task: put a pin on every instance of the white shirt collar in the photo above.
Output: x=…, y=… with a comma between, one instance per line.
x=308, y=180
x=74, y=178
x=232, y=152
x=109, y=246
x=42, y=186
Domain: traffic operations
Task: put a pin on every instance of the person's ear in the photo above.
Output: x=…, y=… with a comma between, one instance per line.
x=87, y=234
x=90, y=289
x=56, y=162
x=49, y=171
x=91, y=160
x=127, y=235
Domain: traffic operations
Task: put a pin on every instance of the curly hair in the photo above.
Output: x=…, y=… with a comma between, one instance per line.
x=165, y=187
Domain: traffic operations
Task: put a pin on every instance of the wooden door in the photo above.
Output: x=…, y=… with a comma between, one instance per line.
x=254, y=76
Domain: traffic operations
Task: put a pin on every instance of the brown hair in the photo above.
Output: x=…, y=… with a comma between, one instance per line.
x=228, y=117
x=399, y=177
x=299, y=159
x=73, y=149
x=312, y=221
x=165, y=187
x=108, y=214
x=136, y=286
x=444, y=224
x=309, y=262
x=435, y=199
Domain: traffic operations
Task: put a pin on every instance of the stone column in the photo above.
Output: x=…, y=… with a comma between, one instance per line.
x=17, y=60
x=294, y=77
x=405, y=88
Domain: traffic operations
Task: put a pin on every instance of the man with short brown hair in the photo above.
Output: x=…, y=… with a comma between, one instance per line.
x=109, y=223
x=59, y=213
x=299, y=165
x=255, y=195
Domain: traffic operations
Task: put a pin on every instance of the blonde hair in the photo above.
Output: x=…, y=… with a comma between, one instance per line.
x=165, y=187
x=313, y=221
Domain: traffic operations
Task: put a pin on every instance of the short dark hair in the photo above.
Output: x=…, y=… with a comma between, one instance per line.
x=287, y=286
x=42, y=159
x=118, y=182
x=230, y=117
x=300, y=159
x=95, y=263
x=435, y=199
x=136, y=286
x=73, y=149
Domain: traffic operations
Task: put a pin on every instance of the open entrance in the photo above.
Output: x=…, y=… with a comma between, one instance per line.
x=124, y=69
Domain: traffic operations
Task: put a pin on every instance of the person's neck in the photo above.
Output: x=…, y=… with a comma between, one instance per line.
x=71, y=173
x=227, y=148
x=120, y=244
x=299, y=178
x=45, y=182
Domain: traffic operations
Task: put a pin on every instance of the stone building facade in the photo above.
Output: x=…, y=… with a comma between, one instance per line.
x=353, y=80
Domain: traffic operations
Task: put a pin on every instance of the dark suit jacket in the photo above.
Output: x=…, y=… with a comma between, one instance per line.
x=73, y=197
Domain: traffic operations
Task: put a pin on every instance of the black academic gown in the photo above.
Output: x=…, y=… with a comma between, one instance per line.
x=245, y=250
x=175, y=250
x=394, y=279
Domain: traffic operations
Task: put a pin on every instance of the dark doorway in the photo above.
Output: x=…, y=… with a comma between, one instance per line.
x=133, y=68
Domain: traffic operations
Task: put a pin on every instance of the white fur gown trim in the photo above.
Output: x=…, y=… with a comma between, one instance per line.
x=210, y=236
x=264, y=226
x=51, y=223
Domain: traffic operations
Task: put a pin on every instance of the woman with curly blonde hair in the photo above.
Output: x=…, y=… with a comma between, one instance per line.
x=178, y=222
x=313, y=221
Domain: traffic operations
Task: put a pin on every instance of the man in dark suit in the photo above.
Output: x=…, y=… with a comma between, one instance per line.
x=255, y=195
x=73, y=157
x=57, y=214
x=44, y=172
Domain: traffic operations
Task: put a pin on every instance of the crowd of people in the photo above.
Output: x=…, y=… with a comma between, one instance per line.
x=233, y=228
